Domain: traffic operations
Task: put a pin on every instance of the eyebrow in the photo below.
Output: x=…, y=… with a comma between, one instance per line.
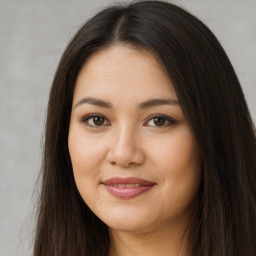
x=94, y=101
x=155, y=102
x=149, y=103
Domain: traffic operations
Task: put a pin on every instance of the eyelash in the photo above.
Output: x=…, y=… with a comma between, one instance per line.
x=168, y=119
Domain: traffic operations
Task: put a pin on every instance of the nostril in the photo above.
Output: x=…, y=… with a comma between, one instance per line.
x=122, y=164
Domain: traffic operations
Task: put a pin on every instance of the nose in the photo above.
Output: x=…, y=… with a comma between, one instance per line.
x=125, y=149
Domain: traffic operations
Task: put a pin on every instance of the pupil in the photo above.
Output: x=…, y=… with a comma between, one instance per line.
x=159, y=121
x=98, y=120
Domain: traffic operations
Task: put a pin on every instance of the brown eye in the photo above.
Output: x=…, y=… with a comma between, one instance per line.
x=98, y=120
x=159, y=121
x=95, y=120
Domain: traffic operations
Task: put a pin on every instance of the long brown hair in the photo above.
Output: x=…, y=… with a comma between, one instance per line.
x=213, y=103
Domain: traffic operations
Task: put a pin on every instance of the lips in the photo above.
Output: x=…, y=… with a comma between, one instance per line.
x=127, y=187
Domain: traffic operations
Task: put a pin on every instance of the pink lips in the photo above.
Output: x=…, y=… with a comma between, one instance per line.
x=127, y=187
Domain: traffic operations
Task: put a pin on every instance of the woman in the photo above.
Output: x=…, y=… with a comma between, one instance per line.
x=149, y=145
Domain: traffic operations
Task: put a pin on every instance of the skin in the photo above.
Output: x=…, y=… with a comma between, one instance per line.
x=129, y=142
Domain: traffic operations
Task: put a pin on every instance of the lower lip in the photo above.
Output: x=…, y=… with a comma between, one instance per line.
x=127, y=192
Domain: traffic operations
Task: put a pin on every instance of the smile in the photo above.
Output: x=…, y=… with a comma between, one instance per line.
x=127, y=187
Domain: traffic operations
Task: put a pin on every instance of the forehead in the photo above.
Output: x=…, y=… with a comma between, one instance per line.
x=123, y=70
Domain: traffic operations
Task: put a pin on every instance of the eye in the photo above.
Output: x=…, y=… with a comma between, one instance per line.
x=95, y=120
x=160, y=121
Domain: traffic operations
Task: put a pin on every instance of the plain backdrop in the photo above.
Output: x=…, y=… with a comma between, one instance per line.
x=33, y=35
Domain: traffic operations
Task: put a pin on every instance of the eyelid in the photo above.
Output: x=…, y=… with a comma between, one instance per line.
x=171, y=120
x=84, y=120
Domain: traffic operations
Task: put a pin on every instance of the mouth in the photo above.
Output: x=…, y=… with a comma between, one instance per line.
x=127, y=187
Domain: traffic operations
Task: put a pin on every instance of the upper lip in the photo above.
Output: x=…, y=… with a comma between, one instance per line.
x=128, y=180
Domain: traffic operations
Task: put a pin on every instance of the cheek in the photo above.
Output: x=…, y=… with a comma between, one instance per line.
x=179, y=166
x=86, y=155
x=177, y=151
x=84, y=150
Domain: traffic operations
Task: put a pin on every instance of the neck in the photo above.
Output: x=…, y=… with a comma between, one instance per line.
x=171, y=241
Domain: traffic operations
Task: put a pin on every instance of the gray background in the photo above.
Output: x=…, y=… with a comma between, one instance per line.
x=33, y=35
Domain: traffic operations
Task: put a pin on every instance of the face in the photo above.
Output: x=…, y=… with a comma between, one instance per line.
x=135, y=162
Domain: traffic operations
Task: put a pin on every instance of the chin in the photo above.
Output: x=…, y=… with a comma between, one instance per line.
x=127, y=222
x=128, y=226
